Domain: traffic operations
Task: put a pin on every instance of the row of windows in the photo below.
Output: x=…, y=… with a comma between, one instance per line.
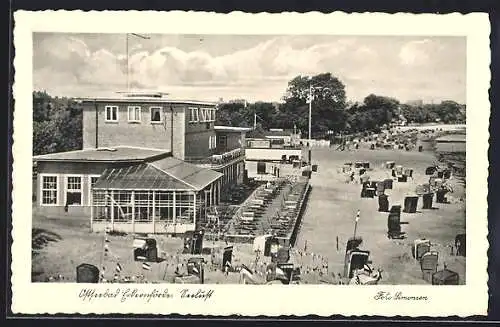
x=144, y=205
x=72, y=189
x=73, y=193
x=201, y=115
x=134, y=114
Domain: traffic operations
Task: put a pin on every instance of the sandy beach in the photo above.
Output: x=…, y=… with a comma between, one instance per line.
x=327, y=224
x=333, y=205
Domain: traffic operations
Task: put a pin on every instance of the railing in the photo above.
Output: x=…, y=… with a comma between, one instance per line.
x=217, y=160
x=276, y=146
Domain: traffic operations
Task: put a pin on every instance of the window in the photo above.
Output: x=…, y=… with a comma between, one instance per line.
x=49, y=190
x=261, y=167
x=207, y=115
x=111, y=113
x=164, y=206
x=222, y=141
x=212, y=142
x=143, y=206
x=122, y=205
x=134, y=114
x=193, y=115
x=184, y=207
x=155, y=114
x=73, y=194
x=92, y=180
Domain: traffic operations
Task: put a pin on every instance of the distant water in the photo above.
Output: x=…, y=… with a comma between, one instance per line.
x=443, y=127
x=451, y=143
x=450, y=147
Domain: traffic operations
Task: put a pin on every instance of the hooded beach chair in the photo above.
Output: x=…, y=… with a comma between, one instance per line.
x=445, y=277
x=428, y=264
x=354, y=260
x=420, y=247
x=394, y=224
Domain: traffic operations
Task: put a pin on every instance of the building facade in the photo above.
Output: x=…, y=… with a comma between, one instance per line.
x=64, y=180
x=184, y=128
x=128, y=189
x=266, y=160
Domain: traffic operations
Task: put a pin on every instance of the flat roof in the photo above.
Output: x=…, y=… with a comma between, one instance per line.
x=232, y=129
x=114, y=154
x=163, y=174
x=146, y=99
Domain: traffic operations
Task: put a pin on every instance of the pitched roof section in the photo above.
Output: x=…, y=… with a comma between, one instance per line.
x=195, y=176
x=115, y=154
x=164, y=174
x=138, y=177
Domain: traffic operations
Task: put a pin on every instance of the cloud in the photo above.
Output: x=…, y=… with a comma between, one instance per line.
x=273, y=58
x=260, y=71
x=417, y=53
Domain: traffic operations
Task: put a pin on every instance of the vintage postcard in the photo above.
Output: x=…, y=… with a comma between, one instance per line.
x=254, y=164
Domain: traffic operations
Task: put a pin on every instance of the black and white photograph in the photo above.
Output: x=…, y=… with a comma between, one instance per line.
x=288, y=159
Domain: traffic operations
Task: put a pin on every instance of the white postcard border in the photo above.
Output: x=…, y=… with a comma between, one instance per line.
x=51, y=298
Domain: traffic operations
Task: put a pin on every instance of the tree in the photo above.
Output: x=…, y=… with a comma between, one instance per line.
x=449, y=112
x=233, y=114
x=329, y=102
x=374, y=112
x=446, y=111
x=57, y=124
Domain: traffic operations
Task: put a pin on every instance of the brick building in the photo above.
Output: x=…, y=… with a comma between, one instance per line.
x=185, y=128
x=123, y=132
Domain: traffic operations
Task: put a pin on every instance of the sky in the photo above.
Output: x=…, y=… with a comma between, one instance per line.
x=251, y=67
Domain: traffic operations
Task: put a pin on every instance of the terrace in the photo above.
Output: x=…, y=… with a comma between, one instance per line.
x=218, y=160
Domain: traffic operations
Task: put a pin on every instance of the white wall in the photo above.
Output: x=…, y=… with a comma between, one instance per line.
x=271, y=154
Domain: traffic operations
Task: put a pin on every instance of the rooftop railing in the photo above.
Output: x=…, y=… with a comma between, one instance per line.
x=274, y=146
x=218, y=160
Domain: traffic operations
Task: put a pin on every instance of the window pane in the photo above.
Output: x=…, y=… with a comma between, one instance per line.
x=49, y=197
x=93, y=180
x=49, y=182
x=155, y=114
x=74, y=183
x=114, y=112
x=261, y=168
x=73, y=198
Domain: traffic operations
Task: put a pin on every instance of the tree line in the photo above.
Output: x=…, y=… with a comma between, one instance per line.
x=331, y=112
x=57, y=122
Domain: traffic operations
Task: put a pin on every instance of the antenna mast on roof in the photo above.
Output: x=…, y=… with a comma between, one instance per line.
x=255, y=116
x=128, y=54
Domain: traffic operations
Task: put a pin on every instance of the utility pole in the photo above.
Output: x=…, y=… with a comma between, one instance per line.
x=310, y=119
x=310, y=110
